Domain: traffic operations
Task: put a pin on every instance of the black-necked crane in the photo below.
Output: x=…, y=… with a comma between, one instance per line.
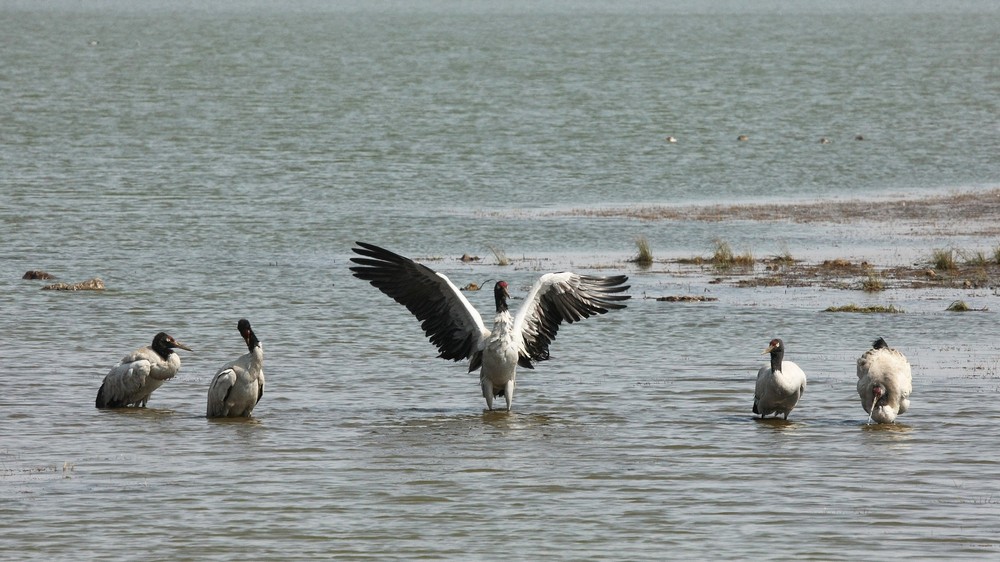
x=238, y=385
x=779, y=385
x=884, y=382
x=138, y=374
x=457, y=329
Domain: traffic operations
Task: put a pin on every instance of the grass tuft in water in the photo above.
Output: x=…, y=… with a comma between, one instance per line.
x=873, y=283
x=873, y=309
x=500, y=255
x=645, y=256
x=943, y=259
x=958, y=306
x=962, y=306
x=784, y=258
x=976, y=259
x=724, y=258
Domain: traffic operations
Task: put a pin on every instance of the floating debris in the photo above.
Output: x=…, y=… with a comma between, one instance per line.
x=686, y=298
x=467, y=258
x=37, y=274
x=94, y=284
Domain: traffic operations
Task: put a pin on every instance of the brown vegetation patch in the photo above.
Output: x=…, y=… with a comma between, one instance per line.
x=863, y=276
x=874, y=309
x=94, y=284
x=686, y=298
x=37, y=274
x=978, y=211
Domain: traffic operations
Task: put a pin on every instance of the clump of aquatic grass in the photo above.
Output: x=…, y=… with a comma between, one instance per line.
x=784, y=258
x=873, y=283
x=873, y=309
x=958, y=306
x=645, y=256
x=943, y=259
x=838, y=263
x=724, y=258
x=500, y=255
x=961, y=306
x=976, y=258
x=723, y=255
x=745, y=259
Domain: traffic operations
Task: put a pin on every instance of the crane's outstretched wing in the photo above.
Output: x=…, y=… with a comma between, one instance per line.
x=122, y=384
x=446, y=316
x=558, y=297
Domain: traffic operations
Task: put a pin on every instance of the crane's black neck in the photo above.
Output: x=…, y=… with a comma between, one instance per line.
x=500, y=296
x=777, y=355
x=247, y=332
x=252, y=340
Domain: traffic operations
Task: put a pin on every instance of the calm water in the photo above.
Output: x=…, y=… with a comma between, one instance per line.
x=211, y=164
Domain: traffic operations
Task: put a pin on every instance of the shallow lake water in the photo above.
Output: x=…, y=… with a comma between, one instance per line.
x=217, y=163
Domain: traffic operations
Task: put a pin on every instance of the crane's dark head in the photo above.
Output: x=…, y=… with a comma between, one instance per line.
x=501, y=295
x=774, y=345
x=880, y=344
x=164, y=344
x=776, y=348
x=247, y=332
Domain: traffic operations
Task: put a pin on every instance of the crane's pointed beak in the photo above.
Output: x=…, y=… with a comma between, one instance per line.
x=872, y=409
x=176, y=343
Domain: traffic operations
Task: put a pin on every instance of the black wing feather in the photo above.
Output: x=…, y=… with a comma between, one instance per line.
x=444, y=314
x=565, y=297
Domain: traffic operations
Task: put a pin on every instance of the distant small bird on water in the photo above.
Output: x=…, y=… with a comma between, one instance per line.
x=742, y=138
x=138, y=374
x=884, y=382
x=779, y=385
x=239, y=384
x=457, y=329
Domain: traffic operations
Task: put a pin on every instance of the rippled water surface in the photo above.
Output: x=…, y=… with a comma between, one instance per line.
x=216, y=163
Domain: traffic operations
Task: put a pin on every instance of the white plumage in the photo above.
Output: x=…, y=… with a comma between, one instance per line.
x=239, y=384
x=779, y=385
x=457, y=329
x=884, y=382
x=138, y=374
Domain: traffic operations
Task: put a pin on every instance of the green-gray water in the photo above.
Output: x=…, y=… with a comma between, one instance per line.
x=217, y=163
